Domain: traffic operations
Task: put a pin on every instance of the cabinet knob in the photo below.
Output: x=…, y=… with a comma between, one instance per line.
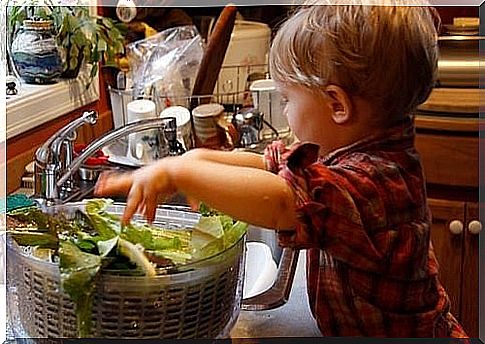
x=456, y=227
x=474, y=227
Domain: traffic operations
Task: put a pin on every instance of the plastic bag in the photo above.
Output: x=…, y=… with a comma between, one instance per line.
x=166, y=65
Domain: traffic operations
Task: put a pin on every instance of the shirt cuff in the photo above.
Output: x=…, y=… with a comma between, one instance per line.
x=273, y=156
x=296, y=175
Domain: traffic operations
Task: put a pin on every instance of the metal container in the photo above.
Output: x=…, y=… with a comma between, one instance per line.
x=459, y=61
x=202, y=301
x=89, y=174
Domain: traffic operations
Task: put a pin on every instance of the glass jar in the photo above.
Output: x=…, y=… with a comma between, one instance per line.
x=35, y=52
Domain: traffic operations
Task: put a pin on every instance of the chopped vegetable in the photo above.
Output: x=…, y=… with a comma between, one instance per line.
x=136, y=255
x=78, y=272
x=96, y=239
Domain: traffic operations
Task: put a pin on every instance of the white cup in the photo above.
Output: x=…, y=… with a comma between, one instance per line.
x=184, y=127
x=144, y=145
x=268, y=100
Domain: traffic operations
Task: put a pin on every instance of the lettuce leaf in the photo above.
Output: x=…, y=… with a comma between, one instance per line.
x=106, y=246
x=177, y=257
x=211, y=225
x=78, y=272
x=219, y=232
x=136, y=256
x=234, y=233
x=107, y=225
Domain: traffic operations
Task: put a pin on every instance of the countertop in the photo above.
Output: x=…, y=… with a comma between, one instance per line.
x=293, y=319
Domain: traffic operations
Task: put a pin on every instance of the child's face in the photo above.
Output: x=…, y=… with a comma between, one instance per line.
x=308, y=113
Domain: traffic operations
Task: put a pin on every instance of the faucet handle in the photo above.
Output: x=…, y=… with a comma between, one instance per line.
x=90, y=117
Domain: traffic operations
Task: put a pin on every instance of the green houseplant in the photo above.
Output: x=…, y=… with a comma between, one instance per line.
x=83, y=37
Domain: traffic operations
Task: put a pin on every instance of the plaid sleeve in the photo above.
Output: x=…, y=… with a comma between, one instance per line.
x=275, y=156
x=335, y=206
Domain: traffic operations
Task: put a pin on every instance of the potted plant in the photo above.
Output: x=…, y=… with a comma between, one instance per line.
x=81, y=36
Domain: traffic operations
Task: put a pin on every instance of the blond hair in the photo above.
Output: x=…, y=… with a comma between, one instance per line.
x=383, y=50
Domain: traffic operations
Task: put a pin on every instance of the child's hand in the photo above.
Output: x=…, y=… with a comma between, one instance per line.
x=143, y=188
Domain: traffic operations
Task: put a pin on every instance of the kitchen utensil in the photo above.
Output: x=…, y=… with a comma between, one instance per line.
x=147, y=145
x=126, y=161
x=460, y=61
x=184, y=130
x=202, y=300
x=246, y=54
x=93, y=166
x=268, y=100
x=119, y=99
x=89, y=173
x=214, y=55
x=248, y=123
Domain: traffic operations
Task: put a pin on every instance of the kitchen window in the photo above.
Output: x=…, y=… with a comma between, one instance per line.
x=35, y=105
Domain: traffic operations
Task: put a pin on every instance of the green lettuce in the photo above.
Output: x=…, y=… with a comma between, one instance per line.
x=78, y=272
x=220, y=232
x=96, y=239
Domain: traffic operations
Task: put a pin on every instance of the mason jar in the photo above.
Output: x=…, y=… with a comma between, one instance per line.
x=35, y=52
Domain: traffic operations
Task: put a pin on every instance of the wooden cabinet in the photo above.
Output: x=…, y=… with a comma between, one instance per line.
x=448, y=246
x=454, y=234
x=449, y=151
x=470, y=281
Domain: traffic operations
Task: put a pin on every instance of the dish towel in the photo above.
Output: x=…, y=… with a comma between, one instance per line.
x=15, y=202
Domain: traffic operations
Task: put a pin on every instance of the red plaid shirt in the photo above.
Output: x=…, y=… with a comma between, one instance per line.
x=363, y=217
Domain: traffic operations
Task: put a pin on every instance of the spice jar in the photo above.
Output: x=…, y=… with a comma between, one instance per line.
x=35, y=52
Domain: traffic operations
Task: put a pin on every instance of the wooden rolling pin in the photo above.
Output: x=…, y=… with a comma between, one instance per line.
x=214, y=56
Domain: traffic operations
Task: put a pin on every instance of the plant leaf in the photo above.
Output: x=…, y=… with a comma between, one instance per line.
x=102, y=46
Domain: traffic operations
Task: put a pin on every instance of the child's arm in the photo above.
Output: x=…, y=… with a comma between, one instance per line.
x=249, y=194
x=236, y=158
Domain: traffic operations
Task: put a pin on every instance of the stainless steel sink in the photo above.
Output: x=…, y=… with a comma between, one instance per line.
x=57, y=182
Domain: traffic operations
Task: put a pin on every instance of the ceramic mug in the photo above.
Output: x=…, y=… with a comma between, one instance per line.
x=211, y=128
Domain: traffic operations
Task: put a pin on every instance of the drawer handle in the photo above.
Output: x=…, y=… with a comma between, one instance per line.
x=456, y=227
x=475, y=227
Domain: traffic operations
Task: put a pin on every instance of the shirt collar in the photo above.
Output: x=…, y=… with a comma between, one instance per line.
x=399, y=136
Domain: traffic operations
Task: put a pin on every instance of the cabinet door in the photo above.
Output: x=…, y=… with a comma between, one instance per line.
x=447, y=240
x=469, y=295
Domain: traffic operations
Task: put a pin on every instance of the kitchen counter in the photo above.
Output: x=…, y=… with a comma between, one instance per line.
x=293, y=319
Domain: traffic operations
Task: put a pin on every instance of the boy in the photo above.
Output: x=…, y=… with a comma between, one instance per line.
x=352, y=191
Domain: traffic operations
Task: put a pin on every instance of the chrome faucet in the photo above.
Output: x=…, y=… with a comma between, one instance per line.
x=167, y=125
x=54, y=164
x=50, y=162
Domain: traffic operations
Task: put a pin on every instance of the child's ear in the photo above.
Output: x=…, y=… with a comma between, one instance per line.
x=340, y=104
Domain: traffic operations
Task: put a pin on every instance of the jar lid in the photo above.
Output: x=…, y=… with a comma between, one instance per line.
x=208, y=110
x=39, y=24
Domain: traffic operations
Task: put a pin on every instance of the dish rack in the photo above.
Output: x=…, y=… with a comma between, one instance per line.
x=231, y=90
x=202, y=301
